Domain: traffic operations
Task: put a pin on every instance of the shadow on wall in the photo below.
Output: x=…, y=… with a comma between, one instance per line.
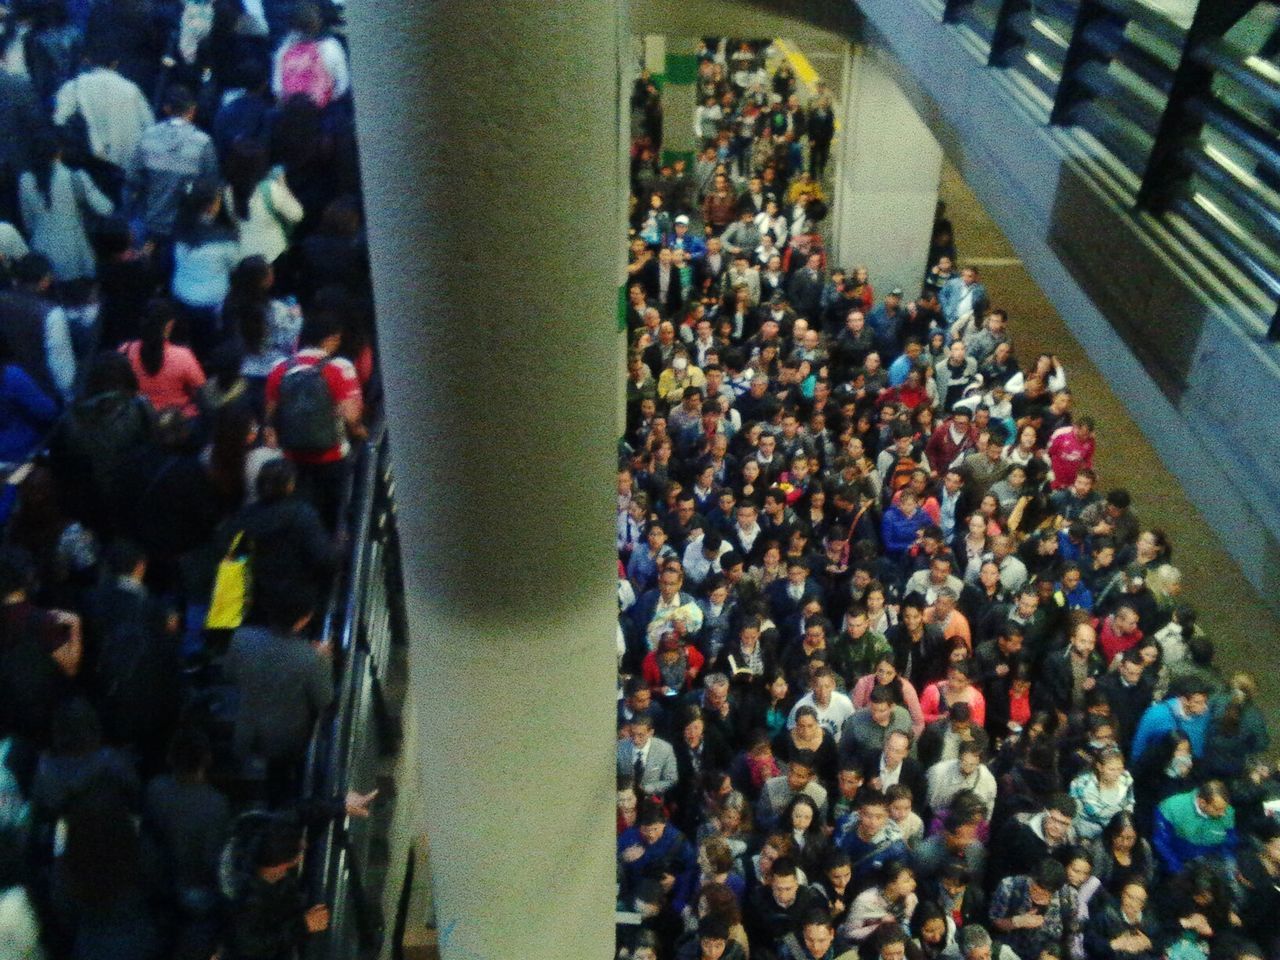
x=1143, y=296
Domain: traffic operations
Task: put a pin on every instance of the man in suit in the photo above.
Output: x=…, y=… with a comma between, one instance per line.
x=893, y=766
x=708, y=270
x=806, y=286
x=659, y=609
x=662, y=283
x=649, y=761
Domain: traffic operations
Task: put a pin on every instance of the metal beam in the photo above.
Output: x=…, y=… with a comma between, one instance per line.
x=1006, y=38
x=1081, y=49
x=1167, y=172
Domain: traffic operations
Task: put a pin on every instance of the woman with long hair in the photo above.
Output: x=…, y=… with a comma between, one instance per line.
x=169, y=376
x=205, y=251
x=267, y=328
x=1121, y=856
x=53, y=199
x=260, y=202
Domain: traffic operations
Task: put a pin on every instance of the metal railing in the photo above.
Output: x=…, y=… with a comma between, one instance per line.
x=364, y=618
x=1189, y=111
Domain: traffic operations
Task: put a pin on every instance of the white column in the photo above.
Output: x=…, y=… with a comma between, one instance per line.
x=888, y=166
x=489, y=144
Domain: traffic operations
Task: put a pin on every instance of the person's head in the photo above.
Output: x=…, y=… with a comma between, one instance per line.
x=849, y=780
x=1212, y=799
x=1121, y=833
x=641, y=730
x=651, y=822
x=873, y=813
x=1133, y=899
x=1077, y=864
x=669, y=582
x=1083, y=638
x=1047, y=878
x=783, y=881
x=896, y=747
x=1058, y=816
x=1192, y=694
x=881, y=705
x=899, y=798
x=818, y=934
x=975, y=942
x=802, y=768
x=897, y=881
x=713, y=937
x=969, y=758
x=802, y=814
x=1108, y=766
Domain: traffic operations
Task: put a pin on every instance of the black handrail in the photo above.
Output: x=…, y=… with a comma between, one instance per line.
x=331, y=869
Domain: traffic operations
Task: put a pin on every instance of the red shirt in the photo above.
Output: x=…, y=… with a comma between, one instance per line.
x=1113, y=643
x=1069, y=455
x=344, y=386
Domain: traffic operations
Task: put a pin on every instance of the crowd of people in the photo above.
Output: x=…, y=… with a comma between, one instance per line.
x=186, y=373
x=901, y=674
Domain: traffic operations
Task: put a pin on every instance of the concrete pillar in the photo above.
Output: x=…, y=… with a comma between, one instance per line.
x=490, y=183
x=887, y=168
x=655, y=54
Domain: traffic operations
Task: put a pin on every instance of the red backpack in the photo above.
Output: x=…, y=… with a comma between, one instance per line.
x=302, y=70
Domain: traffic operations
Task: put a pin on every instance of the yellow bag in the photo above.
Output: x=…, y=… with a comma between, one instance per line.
x=230, y=597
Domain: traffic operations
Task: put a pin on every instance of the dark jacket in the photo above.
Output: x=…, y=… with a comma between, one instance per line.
x=292, y=552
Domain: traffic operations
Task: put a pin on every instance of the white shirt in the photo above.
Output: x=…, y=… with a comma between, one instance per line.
x=889, y=778
x=831, y=717
x=115, y=111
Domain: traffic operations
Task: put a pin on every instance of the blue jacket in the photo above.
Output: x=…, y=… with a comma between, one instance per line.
x=672, y=853
x=26, y=414
x=1162, y=719
x=899, y=530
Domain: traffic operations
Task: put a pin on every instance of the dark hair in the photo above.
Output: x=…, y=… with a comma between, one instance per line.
x=1049, y=874
x=109, y=372
x=160, y=313
x=784, y=866
x=191, y=227
x=280, y=843
x=248, y=302
x=229, y=450
x=245, y=166
x=276, y=479
x=178, y=100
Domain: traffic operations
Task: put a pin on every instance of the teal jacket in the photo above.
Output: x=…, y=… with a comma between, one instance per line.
x=1183, y=833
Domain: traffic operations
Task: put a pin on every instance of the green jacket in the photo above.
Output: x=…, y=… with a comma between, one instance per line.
x=853, y=659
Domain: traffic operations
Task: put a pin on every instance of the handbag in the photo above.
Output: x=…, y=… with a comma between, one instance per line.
x=231, y=587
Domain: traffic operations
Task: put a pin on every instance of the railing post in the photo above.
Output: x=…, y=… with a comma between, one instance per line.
x=1166, y=174
x=1080, y=51
x=1006, y=39
x=1273, y=332
x=951, y=10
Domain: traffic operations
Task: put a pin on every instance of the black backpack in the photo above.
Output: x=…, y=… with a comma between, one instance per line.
x=306, y=417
